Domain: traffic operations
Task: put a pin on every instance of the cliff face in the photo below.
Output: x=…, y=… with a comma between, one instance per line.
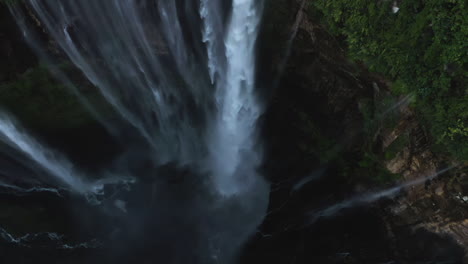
x=16, y=55
x=325, y=115
x=440, y=204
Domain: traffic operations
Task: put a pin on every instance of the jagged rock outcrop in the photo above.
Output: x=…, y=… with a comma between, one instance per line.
x=322, y=93
x=438, y=205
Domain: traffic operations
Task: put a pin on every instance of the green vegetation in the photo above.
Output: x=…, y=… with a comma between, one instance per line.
x=367, y=168
x=397, y=146
x=39, y=101
x=9, y=2
x=371, y=168
x=422, y=48
x=378, y=114
x=315, y=143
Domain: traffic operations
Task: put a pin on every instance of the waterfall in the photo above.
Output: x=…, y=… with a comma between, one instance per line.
x=182, y=77
x=369, y=198
x=54, y=163
x=171, y=105
x=232, y=142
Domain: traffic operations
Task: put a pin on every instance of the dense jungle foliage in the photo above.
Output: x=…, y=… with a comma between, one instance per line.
x=421, y=46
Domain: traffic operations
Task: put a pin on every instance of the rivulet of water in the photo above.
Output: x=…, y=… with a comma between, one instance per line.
x=181, y=75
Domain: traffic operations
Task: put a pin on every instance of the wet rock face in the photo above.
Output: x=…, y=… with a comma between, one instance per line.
x=15, y=55
x=314, y=94
x=46, y=107
x=319, y=83
x=319, y=91
x=438, y=205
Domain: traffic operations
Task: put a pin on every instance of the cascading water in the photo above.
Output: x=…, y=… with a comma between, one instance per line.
x=368, y=198
x=53, y=163
x=185, y=82
x=233, y=131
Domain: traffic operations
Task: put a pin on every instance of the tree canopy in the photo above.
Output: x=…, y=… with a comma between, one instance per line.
x=421, y=46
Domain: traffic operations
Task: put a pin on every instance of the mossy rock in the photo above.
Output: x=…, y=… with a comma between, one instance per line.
x=40, y=102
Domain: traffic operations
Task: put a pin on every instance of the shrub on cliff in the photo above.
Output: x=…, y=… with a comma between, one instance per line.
x=40, y=101
x=422, y=46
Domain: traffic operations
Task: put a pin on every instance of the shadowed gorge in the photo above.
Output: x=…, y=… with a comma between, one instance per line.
x=237, y=131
